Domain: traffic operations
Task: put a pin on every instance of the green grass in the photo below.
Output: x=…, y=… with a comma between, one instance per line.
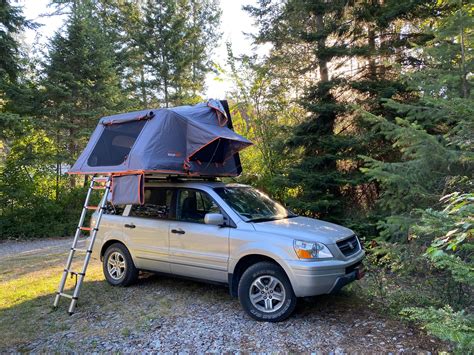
x=27, y=288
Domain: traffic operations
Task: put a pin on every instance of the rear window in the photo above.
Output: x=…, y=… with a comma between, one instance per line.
x=157, y=204
x=115, y=143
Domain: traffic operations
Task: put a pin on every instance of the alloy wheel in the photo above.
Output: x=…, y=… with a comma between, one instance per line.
x=267, y=293
x=116, y=265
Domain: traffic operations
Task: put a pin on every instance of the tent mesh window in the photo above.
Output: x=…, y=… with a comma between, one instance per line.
x=115, y=143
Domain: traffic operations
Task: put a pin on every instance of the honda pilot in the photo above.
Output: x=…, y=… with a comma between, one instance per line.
x=231, y=234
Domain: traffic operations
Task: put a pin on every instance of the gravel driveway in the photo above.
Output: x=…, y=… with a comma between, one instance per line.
x=174, y=315
x=48, y=246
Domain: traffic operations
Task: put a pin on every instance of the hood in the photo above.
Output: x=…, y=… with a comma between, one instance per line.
x=304, y=228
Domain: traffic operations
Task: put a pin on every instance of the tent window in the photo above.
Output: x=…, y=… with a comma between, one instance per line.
x=115, y=143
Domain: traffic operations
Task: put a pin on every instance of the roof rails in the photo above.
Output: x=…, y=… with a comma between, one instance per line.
x=178, y=178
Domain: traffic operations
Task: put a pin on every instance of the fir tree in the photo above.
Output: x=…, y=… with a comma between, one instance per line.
x=354, y=50
x=177, y=41
x=80, y=80
x=433, y=133
x=12, y=23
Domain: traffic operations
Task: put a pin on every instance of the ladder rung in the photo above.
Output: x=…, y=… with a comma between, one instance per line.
x=85, y=228
x=101, y=179
x=98, y=187
x=75, y=273
x=65, y=295
x=91, y=207
x=82, y=250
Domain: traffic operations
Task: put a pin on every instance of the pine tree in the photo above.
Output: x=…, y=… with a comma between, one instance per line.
x=433, y=133
x=177, y=40
x=315, y=174
x=12, y=23
x=80, y=80
x=354, y=51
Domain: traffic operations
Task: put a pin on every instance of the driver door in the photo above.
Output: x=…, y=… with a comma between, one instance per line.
x=197, y=249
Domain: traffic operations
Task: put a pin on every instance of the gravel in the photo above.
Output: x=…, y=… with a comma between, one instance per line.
x=27, y=247
x=164, y=314
x=198, y=318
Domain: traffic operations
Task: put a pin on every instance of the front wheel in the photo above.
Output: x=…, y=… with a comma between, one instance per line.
x=265, y=293
x=118, y=266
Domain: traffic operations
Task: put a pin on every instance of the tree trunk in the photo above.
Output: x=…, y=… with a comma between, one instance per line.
x=465, y=83
x=143, y=89
x=372, y=56
x=322, y=60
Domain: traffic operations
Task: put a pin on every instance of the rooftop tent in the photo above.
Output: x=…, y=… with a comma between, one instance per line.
x=188, y=140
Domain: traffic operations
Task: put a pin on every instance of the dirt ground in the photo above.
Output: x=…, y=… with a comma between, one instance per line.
x=168, y=314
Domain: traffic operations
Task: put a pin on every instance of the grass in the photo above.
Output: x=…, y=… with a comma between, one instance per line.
x=28, y=285
x=27, y=288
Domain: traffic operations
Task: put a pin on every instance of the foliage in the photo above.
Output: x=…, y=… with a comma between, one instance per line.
x=339, y=64
x=262, y=112
x=446, y=324
x=12, y=23
x=80, y=82
x=34, y=200
x=177, y=59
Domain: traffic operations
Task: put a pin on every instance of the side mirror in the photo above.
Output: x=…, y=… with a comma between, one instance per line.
x=215, y=219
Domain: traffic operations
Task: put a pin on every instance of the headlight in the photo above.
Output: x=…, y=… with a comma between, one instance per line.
x=311, y=250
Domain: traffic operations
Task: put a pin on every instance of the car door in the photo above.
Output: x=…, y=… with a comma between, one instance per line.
x=147, y=229
x=197, y=249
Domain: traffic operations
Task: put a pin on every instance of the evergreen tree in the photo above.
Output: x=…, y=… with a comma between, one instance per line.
x=314, y=173
x=12, y=23
x=433, y=133
x=177, y=41
x=354, y=51
x=80, y=80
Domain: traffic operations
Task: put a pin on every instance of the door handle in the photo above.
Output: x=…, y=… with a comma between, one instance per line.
x=129, y=225
x=178, y=231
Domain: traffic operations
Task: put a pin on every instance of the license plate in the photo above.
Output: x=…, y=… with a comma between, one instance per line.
x=360, y=272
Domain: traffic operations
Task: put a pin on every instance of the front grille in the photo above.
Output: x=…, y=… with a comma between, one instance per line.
x=349, y=246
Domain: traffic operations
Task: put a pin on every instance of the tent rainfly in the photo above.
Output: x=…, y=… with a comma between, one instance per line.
x=187, y=140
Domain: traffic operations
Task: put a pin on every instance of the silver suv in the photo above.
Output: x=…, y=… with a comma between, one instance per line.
x=231, y=234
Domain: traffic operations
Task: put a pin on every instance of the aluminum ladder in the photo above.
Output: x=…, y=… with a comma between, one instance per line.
x=97, y=183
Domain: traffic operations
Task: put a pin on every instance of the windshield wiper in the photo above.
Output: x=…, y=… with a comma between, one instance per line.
x=264, y=219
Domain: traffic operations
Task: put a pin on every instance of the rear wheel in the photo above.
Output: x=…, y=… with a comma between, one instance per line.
x=118, y=266
x=265, y=292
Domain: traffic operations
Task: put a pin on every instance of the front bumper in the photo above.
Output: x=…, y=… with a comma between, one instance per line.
x=323, y=277
x=349, y=277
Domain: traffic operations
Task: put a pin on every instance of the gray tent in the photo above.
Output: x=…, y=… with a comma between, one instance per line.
x=187, y=140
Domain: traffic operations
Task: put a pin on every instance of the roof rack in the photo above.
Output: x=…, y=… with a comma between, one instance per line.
x=177, y=178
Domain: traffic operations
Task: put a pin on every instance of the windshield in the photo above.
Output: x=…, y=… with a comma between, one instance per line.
x=252, y=205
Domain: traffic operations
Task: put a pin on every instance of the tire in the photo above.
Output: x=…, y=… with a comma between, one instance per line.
x=126, y=274
x=266, y=280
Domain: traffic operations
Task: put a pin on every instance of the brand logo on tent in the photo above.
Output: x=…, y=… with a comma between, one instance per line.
x=174, y=154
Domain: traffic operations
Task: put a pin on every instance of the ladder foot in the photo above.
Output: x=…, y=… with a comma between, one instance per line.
x=71, y=313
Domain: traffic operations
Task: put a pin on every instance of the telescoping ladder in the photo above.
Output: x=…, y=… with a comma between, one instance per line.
x=97, y=183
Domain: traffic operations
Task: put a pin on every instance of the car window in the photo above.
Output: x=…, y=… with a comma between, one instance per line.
x=252, y=205
x=194, y=204
x=157, y=204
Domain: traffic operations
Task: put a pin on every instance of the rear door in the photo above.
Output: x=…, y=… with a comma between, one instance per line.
x=197, y=249
x=147, y=227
